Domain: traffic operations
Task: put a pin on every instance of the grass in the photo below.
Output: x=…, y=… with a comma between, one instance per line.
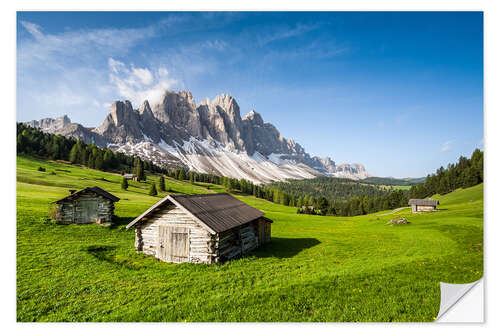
x=316, y=268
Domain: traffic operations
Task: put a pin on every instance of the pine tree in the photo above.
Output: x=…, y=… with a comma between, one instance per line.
x=73, y=154
x=152, y=190
x=191, y=178
x=124, y=183
x=161, y=184
x=98, y=164
x=140, y=171
x=182, y=174
x=90, y=162
x=108, y=159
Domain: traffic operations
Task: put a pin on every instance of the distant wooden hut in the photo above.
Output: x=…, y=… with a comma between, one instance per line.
x=421, y=205
x=92, y=204
x=200, y=228
x=130, y=176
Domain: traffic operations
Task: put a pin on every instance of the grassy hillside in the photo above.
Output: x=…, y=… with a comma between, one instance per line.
x=316, y=268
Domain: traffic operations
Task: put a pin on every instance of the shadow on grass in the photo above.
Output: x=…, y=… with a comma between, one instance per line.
x=121, y=221
x=285, y=247
x=106, y=253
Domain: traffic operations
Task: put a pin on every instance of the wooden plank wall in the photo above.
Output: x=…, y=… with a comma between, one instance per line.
x=202, y=244
x=425, y=208
x=68, y=210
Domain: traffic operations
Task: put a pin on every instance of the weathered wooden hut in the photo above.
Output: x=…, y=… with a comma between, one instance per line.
x=421, y=205
x=92, y=204
x=202, y=228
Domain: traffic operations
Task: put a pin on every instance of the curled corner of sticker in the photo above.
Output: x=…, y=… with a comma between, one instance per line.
x=451, y=294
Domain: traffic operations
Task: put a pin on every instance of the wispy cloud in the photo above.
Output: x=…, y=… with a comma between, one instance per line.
x=79, y=44
x=139, y=84
x=447, y=146
x=286, y=32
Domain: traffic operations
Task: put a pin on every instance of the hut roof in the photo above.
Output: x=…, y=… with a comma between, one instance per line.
x=94, y=189
x=219, y=211
x=422, y=202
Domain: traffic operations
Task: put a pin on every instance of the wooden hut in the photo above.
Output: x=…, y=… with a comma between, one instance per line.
x=421, y=205
x=202, y=228
x=92, y=204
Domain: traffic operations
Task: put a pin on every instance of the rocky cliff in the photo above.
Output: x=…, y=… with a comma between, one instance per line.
x=209, y=137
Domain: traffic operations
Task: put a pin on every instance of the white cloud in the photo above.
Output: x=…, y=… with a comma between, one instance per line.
x=162, y=71
x=447, y=146
x=287, y=32
x=144, y=75
x=139, y=84
x=84, y=44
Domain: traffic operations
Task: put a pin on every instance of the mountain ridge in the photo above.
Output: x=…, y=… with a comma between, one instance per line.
x=210, y=136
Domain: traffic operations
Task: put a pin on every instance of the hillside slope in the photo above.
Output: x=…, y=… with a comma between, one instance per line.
x=316, y=268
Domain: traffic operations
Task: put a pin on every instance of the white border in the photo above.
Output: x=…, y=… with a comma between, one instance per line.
x=492, y=109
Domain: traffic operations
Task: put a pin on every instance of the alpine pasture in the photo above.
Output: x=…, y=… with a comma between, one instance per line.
x=317, y=268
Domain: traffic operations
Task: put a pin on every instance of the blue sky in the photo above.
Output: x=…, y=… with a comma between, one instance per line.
x=401, y=93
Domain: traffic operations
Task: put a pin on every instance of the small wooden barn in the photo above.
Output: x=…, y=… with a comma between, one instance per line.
x=202, y=228
x=421, y=205
x=92, y=204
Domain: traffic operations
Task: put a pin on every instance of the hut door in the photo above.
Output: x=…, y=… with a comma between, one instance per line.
x=173, y=244
x=86, y=211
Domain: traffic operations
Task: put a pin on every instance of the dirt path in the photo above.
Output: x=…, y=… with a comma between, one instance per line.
x=394, y=211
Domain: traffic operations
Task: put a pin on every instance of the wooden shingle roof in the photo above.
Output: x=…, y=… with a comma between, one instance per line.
x=94, y=189
x=219, y=211
x=423, y=202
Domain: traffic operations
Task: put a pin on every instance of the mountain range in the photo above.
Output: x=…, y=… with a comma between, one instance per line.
x=208, y=137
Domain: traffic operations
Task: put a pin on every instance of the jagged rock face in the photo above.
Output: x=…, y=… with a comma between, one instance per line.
x=50, y=125
x=355, y=171
x=178, y=110
x=122, y=124
x=210, y=137
x=221, y=121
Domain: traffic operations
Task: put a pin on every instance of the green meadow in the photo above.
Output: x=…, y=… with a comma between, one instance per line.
x=317, y=268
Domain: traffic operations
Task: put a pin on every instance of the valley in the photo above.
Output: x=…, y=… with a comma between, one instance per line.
x=317, y=268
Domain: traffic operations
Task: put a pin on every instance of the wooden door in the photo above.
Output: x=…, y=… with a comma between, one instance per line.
x=173, y=244
x=86, y=211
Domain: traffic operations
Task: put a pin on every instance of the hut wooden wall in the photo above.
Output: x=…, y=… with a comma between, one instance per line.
x=263, y=231
x=204, y=247
x=85, y=209
x=202, y=244
x=237, y=241
x=425, y=208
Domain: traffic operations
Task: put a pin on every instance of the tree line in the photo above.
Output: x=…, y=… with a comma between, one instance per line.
x=320, y=195
x=465, y=173
x=33, y=142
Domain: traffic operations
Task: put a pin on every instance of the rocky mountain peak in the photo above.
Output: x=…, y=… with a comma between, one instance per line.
x=210, y=137
x=121, y=112
x=145, y=108
x=254, y=117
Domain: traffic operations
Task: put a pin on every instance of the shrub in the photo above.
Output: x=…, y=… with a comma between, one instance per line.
x=152, y=190
x=161, y=185
x=124, y=183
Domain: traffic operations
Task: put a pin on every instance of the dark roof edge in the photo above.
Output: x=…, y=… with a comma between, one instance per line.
x=159, y=203
x=95, y=189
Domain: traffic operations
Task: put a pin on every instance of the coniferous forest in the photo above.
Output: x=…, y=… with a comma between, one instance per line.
x=321, y=195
